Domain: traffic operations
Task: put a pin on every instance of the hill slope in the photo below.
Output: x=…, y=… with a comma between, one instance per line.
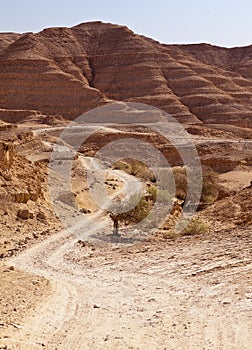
x=66, y=71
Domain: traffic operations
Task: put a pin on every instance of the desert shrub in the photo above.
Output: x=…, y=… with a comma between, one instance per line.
x=152, y=191
x=210, y=187
x=179, y=170
x=138, y=213
x=163, y=196
x=123, y=165
x=136, y=168
x=180, y=178
x=195, y=227
x=170, y=234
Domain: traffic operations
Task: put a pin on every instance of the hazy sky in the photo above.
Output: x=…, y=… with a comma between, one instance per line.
x=221, y=22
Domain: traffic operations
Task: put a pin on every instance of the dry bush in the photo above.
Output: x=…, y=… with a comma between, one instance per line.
x=196, y=226
x=211, y=190
x=135, y=168
x=210, y=187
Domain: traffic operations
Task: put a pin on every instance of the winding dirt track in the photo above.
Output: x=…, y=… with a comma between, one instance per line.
x=195, y=293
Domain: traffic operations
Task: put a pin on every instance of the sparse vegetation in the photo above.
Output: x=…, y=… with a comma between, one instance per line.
x=196, y=226
x=138, y=213
x=136, y=168
x=211, y=189
x=210, y=193
x=210, y=186
x=180, y=179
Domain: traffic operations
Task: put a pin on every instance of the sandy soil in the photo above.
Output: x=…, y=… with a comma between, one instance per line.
x=189, y=293
x=20, y=292
x=236, y=180
x=193, y=293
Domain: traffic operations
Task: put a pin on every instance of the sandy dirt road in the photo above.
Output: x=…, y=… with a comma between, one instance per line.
x=188, y=294
x=194, y=293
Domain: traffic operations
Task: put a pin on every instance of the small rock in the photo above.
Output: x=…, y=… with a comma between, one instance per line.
x=151, y=299
x=226, y=301
x=34, y=282
x=16, y=325
x=97, y=306
x=81, y=243
x=23, y=214
x=43, y=233
x=85, y=211
x=41, y=216
x=11, y=268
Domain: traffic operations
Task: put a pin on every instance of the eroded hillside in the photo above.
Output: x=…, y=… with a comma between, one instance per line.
x=94, y=63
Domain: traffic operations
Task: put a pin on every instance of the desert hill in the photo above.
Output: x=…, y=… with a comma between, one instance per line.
x=8, y=38
x=67, y=71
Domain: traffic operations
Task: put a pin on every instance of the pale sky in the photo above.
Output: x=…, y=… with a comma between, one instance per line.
x=220, y=22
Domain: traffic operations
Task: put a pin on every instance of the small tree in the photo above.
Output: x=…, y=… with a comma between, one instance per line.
x=126, y=214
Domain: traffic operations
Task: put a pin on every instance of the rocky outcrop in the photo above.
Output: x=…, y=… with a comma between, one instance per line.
x=236, y=210
x=16, y=116
x=67, y=71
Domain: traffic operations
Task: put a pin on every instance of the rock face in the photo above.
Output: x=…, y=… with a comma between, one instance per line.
x=6, y=156
x=62, y=71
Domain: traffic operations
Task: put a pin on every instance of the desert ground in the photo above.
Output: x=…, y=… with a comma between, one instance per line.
x=191, y=292
x=68, y=282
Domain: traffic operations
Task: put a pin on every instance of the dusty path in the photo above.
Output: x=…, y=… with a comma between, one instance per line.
x=190, y=294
